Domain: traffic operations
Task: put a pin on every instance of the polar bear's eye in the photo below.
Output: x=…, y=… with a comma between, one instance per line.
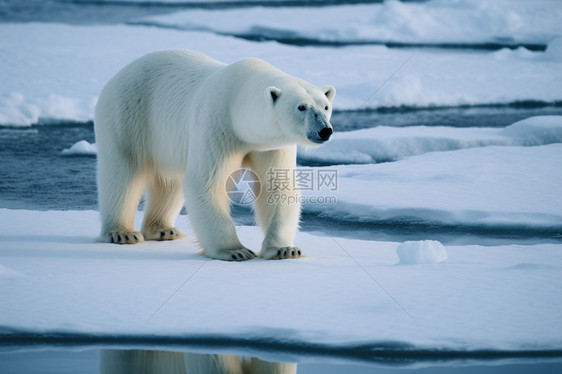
x=301, y=108
x=326, y=107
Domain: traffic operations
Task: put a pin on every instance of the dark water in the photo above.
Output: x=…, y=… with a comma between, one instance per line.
x=36, y=176
x=469, y=116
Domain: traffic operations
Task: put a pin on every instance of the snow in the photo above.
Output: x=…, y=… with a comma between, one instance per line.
x=80, y=148
x=7, y=273
x=535, y=131
x=487, y=186
x=55, y=72
x=502, y=297
x=432, y=22
x=554, y=50
x=446, y=176
x=384, y=143
x=421, y=252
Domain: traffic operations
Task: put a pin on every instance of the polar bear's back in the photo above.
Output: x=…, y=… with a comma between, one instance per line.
x=139, y=109
x=182, y=65
x=158, y=80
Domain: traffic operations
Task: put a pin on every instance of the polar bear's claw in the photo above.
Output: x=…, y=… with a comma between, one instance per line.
x=125, y=237
x=241, y=254
x=281, y=253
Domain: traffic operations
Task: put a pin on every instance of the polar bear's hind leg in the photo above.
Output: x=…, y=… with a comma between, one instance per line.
x=119, y=190
x=165, y=199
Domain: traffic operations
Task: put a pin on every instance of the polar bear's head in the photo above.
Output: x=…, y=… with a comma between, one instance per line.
x=302, y=112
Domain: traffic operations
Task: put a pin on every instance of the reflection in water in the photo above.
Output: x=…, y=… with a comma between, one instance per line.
x=114, y=361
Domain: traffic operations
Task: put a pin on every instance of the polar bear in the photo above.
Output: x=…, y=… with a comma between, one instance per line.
x=179, y=120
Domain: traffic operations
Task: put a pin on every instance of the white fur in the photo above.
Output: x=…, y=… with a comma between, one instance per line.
x=179, y=115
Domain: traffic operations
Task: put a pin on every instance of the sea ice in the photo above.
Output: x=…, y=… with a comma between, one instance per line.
x=554, y=50
x=80, y=148
x=486, y=186
x=7, y=273
x=437, y=21
x=345, y=292
x=66, y=66
x=384, y=143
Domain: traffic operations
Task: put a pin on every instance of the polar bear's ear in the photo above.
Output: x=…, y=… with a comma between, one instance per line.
x=272, y=94
x=330, y=92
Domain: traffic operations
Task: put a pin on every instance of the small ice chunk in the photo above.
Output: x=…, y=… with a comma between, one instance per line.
x=421, y=252
x=81, y=148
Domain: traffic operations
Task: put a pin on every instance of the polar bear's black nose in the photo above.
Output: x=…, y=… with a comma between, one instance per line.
x=325, y=133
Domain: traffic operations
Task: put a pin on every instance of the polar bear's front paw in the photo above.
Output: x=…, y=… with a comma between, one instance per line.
x=274, y=253
x=240, y=254
x=125, y=237
x=167, y=233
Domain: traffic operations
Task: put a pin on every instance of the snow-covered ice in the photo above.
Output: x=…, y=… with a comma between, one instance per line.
x=472, y=176
x=7, y=273
x=431, y=22
x=498, y=186
x=80, y=148
x=393, y=143
x=554, y=50
x=54, y=71
x=502, y=297
x=421, y=252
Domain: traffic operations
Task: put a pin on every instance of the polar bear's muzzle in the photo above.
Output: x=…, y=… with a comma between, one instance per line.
x=321, y=136
x=319, y=129
x=325, y=133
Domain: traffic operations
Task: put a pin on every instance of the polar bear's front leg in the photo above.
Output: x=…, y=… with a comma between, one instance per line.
x=208, y=207
x=277, y=206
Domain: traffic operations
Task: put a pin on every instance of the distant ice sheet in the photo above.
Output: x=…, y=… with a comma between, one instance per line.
x=436, y=22
x=54, y=71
